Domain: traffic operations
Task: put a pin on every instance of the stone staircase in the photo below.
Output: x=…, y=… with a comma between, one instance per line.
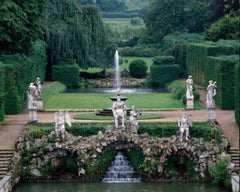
x=5, y=161
x=234, y=153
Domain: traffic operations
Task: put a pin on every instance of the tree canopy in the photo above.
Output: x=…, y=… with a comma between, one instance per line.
x=75, y=32
x=20, y=24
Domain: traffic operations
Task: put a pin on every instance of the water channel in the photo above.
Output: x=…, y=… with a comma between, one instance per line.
x=118, y=187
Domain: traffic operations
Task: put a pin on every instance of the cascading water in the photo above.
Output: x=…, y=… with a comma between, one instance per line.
x=117, y=70
x=121, y=171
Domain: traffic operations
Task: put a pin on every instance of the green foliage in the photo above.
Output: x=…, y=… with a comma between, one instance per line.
x=67, y=74
x=53, y=89
x=20, y=25
x=179, y=166
x=166, y=16
x=162, y=74
x=156, y=129
x=19, y=71
x=219, y=173
x=138, y=68
x=237, y=92
x=225, y=28
x=177, y=88
x=221, y=69
x=140, y=51
x=2, y=92
x=76, y=32
x=163, y=60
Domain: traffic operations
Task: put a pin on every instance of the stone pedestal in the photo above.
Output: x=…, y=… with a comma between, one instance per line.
x=190, y=103
x=32, y=115
x=39, y=105
x=211, y=116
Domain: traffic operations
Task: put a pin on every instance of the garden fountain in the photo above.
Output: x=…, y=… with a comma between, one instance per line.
x=121, y=171
x=117, y=87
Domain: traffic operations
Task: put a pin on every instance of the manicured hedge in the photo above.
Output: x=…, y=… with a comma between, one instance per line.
x=197, y=53
x=237, y=93
x=221, y=69
x=163, y=70
x=138, y=68
x=2, y=93
x=19, y=71
x=67, y=74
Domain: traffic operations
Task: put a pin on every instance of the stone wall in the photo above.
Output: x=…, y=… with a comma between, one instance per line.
x=156, y=151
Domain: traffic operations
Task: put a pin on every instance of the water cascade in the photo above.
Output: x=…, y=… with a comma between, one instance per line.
x=121, y=171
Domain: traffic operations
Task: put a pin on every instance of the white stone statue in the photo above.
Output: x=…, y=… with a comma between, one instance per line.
x=60, y=119
x=189, y=93
x=38, y=85
x=119, y=110
x=189, y=87
x=184, y=122
x=32, y=102
x=211, y=92
x=133, y=119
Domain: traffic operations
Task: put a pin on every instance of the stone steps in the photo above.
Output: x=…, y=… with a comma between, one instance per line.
x=234, y=153
x=5, y=161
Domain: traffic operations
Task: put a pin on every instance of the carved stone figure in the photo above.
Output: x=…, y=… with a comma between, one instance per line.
x=133, y=119
x=119, y=110
x=32, y=102
x=189, y=87
x=211, y=92
x=60, y=119
x=189, y=93
x=184, y=122
x=38, y=85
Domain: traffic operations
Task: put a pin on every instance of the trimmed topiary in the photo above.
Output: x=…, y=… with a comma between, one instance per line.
x=138, y=68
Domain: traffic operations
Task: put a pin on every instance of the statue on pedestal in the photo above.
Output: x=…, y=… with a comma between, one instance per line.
x=32, y=102
x=133, y=119
x=210, y=103
x=60, y=119
x=189, y=93
x=119, y=110
x=184, y=122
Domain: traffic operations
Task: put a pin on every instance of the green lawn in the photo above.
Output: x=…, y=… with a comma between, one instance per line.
x=124, y=65
x=97, y=101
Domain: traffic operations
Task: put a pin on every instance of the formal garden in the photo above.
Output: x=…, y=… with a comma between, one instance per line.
x=58, y=58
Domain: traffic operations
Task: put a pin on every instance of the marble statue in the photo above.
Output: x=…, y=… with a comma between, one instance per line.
x=119, y=110
x=38, y=85
x=32, y=102
x=133, y=119
x=211, y=92
x=189, y=87
x=184, y=122
x=189, y=93
x=60, y=119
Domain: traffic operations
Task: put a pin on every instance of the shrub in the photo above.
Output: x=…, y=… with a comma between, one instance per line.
x=163, y=60
x=219, y=173
x=2, y=92
x=237, y=93
x=138, y=68
x=67, y=74
x=162, y=74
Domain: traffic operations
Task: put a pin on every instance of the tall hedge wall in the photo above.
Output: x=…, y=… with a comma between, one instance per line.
x=19, y=71
x=221, y=69
x=197, y=53
x=67, y=74
x=2, y=93
x=237, y=93
x=163, y=70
